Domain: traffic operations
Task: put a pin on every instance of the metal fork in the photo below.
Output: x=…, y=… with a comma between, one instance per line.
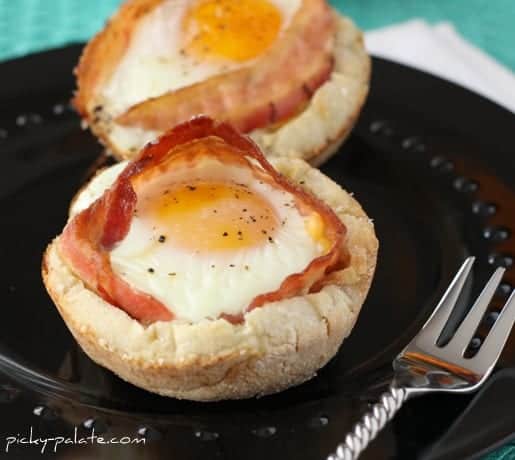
x=424, y=366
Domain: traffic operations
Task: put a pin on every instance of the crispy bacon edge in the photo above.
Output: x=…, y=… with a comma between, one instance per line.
x=271, y=90
x=87, y=239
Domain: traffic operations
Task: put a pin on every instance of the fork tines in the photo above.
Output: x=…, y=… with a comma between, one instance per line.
x=492, y=346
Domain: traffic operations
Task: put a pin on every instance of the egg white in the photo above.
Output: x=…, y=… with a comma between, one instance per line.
x=153, y=63
x=199, y=285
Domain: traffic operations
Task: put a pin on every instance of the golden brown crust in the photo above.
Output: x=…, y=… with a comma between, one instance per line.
x=317, y=132
x=107, y=47
x=313, y=135
x=280, y=344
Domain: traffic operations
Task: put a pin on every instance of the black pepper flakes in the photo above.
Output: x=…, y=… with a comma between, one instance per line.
x=270, y=239
x=151, y=270
x=232, y=265
x=225, y=234
x=191, y=188
x=246, y=267
x=162, y=238
x=172, y=274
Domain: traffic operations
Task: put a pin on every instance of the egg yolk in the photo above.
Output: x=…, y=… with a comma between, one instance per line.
x=236, y=30
x=212, y=216
x=316, y=229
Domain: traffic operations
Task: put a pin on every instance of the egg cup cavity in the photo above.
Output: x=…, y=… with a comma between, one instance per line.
x=314, y=134
x=278, y=345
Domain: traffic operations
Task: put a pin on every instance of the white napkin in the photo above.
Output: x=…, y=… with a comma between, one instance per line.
x=440, y=50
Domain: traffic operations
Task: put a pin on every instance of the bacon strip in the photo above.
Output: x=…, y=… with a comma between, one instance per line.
x=89, y=236
x=271, y=90
x=82, y=245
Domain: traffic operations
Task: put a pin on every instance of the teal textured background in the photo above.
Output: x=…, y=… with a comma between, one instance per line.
x=27, y=26
x=489, y=24
x=32, y=25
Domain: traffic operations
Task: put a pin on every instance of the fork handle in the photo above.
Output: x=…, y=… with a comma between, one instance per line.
x=370, y=425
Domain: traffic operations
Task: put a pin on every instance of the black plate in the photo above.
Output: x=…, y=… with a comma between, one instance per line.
x=429, y=161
